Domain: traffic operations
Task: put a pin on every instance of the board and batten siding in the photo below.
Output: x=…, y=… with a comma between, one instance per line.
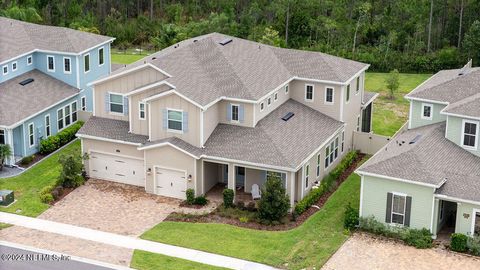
x=211, y=118
x=455, y=130
x=374, y=200
x=416, y=119
x=223, y=107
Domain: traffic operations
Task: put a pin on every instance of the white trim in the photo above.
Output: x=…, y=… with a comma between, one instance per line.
x=365, y=104
x=103, y=53
x=474, y=217
x=462, y=139
x=16, y=66
x=110, y=102
x=311, y=80
x=446, y=126
x=433, y=213
x=361, y=196
x=162, y=144
x=3, y=69
x=458, y=115
x=426, y=100
x=410, y=115
x=89, y=63
x=29, y=135
x=31, y=58
x=455, y=199
x=169, y=92
x=140, y=110
x=396, y=179
x=49, y=125
x=77, y=64
x=149, y=122
x=276, y=89
x=305, y=93
x=202, y=114
x=422, y=116
x=128, y=71
x=48, y=64
x=82, y=99
x=333, y=96
x=341, y=103
x=306, y=183
x=114, y=154
x=69, y=65
x=238, y=112
x=174, y=130
x=82, y=136
x=101, y=44
x=148, y=87
x=246, y=163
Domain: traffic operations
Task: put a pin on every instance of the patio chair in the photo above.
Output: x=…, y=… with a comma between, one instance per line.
x=255, y=192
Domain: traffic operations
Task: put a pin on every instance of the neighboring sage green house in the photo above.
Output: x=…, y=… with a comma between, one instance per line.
x=428, y=176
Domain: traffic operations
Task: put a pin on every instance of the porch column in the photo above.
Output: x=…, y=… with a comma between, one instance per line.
x=435, y=217
x=291, y=188
x=231, y=177
x=9, y=141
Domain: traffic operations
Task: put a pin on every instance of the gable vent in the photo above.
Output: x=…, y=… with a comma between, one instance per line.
x=415, y=139
x=27, y=81
x=226, y=41
x=288, y=116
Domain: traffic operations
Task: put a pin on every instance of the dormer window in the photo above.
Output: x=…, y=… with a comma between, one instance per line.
x=235, y=112
x=5, y=70
x=427, y=111
x=14, y=66
x=309, y=92
x=29, y=60
x=470, y=134
x=51, y=63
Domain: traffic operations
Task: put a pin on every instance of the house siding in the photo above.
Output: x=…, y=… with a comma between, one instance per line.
x=454, y=133
x=22, y=67
x=416, y=114
x=465, y=218
x=352, y=110
x=248, y=113
x=282, y=98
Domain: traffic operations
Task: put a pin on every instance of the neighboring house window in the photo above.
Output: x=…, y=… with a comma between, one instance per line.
x=141, y=111
x=14, y=66
x=357, y=89
x=343, y=140
x=470, y=134
x=86, y=62
x=74, y=111
x=262, y=106
x=286, y=89
x=398, y=209
x=269, y=101
x=116, y=103
x=2, y=136
x=476, y=222
x=235, y=113
x=332, y=154
x=336, y=148
x=5, y=70
x=427, y=111
x=327, y=156
x=31, y=135
x=318, y=165
x=348, y=93
x=175, y=120
x=60, y=119
x=329, y=95
x=29, y=60
x=307, y=175
x=84, y=103
x=358, y=123
x=66, y=112
x=67, y=65
x=47, y=126
x=51, y=63
x=101, y=56
x=275, y=97
x=309, y=92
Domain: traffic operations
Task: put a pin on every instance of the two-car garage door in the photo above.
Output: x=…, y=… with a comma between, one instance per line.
x=116, y=168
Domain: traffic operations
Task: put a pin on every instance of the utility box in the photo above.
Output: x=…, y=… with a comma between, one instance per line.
x=6, y=197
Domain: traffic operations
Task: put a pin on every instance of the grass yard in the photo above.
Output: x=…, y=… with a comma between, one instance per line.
x=121, y=58
x=310, y=245
x=28, y=185
x=389, y=115
x=151, y=261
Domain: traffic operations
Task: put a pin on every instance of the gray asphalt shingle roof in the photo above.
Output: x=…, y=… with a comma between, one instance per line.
x=110, y=129
x=17, y=37
x=469, y=106
x=368, y=96
x=18, y=102
x=196, y=151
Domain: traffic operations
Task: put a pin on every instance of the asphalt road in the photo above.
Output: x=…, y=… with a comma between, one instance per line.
x=12, y=258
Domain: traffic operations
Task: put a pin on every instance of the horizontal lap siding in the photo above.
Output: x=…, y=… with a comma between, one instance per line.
x=454, y=133
x=416, y=114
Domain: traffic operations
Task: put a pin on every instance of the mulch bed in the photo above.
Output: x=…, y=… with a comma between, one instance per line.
x=37, y=157
x=214, y=217
x=65, y=192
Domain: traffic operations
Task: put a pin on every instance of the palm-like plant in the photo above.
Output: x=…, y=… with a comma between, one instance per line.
x=5, y=152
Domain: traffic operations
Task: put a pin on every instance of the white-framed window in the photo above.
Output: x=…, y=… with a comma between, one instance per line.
x=307, y=175
x=14, y=66
x=318, y=164
x=83, y=101
x=398, y=208
x=67, y=115
x=357, y=87
x=348, y=94
x=73, y=109
x=60, y=124
x=48, y=130
x=2, y=136
x=29, y=60
x=336, y=148
x=31, y=134
x=327, y=156
x=275, y=96
x=441, y=206
x=286, y=89
x=235, y=112
x=101, y=56
x=5, y=70
x=67, y=65
x=116, y=103
x=358, y=123
x=427, y=110
x=476, y=222
x=175, y=120
x=262, y=106
x=86, y=63
x=470, y=131
x=141, y=111
x=329, y=95
x=343, y=141
x=331, y=152
x=309, y=88
x=50, y=63
x=269, y=101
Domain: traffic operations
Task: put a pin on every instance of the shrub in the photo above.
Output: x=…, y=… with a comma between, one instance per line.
x=243, y=219
x=473, y=245
x=274, y=203
x=200, y=200
x=251, y=206
x=49, y=144
x=57, y=192
x=71, y=174
x=350, y=220
x=458, y=242
x=46, y=198
x=228, y=195
x=54, y=142
x=27, y=160
x=190, y=196
x=240, y=205
x=5, y=152
x=418, y=238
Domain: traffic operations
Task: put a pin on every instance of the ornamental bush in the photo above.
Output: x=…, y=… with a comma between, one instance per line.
x=274, y=203
x=71, y=174
x=190, y=196
x=200, y=200
x=350, y=220
x=63, y=137
x=458, y=242
x=228, y=195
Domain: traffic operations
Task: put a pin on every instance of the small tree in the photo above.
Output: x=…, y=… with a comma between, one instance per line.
x=274, y=203
x=393, y=82
x=5, y=152
x=471, y=42
x=228, y=196
x=71, y=174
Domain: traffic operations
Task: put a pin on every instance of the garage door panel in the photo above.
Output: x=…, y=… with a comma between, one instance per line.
x=170, y=183
x=117, y=169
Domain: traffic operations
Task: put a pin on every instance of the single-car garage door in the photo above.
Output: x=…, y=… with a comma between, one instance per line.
x=170, y=183
x=117, y=169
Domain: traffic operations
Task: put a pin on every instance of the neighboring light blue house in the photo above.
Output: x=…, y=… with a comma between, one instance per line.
x=44, y=76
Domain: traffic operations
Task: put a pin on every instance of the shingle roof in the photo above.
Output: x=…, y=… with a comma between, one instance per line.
x=368, y=97
x=110, y=129
x=196, y=151
x=17, y=37
x=431, y=160
x=469, y=106
x=274, y=141
x=18, y=102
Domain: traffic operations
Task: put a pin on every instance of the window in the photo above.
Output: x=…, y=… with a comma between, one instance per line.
x=286, y=89
x=358, y=123
x=31, y=135
x=332, y=147
x=275, y=97
x=5, y=70
x=398, y=208
x=327, y=156
x=74, y=111
x=329, y=95
x=470, y=134
x=343, y=140
x=348, y=93
x=14, y=66
x=2, y=136
x=357, y=87
x=175, y=120
x=29, y=60
x=116, y=103
x=262, y=106
x=269, y=101
x=331, y=152
x=60, y=119
x=51, y=63
x=86, y=62
x=308, y=92
x=47, y=126
x=67, y=65
x=66, y=112
x=476, y=222
x=336, y=148
x=234, y=112
x=101, y=56
x=318, y=165
x=427, y=111
x=141, y=111
x=307, y=175
x=83, y=102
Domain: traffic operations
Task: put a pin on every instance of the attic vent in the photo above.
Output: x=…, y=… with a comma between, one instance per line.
x=153, y=58
x=415, y=139
x=226, y=41
x=27, y=81
x=288, y=116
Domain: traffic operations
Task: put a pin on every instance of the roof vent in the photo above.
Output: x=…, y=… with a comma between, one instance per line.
x=288, y=116
x=226, y=41
x=153, y=58
x=25, y=82
x=415, y=139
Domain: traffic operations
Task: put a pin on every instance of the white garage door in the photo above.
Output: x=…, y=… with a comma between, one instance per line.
x=118, y=169
x=170, y=183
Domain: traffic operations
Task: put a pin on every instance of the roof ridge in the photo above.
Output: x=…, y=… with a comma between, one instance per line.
x=470, y=71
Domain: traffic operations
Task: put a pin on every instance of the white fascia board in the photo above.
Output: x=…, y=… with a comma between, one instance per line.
x=426, y=100
x=119, y=74
x=458, y=115
x=360, y=172
x=148, y=87
x=227, y=160
x=357, y=74
x=167, y=144
x=83, y=136
x=169, y=92
x=318, y=81
x=371, y=100
x=98, y=45
x=450, y=198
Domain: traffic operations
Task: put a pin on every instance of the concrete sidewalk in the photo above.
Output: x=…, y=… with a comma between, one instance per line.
x=131, y=243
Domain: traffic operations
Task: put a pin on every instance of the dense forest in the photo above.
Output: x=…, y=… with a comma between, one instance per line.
x=409, y=35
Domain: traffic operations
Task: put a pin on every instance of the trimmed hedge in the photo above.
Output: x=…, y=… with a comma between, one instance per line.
x=190, y=196
x=326, y=185
x=228, y=195
x=459, y=242
x=63, y=137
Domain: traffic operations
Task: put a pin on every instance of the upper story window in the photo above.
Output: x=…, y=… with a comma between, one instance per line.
x=357, y=89
x=286, y=89
x=86, y=62
x=308, y=92
x=83, y=103
x=275, y=97
x=262, y=106
x=51, y=63
x=470, y=134
x=307, y=175
x=2, y=136
x=358, y=123
x=14, y=66
x=5, y=70
x=29, y=60
x=329, y=95
x=427, y=111
x=141, y=110
x=116, y=103
x=175, y=120
x=269, y=101
x=318, y=164
x=235, y=112
x=47, y=126
x=67, y=65
x=398, y=208
x=348, y=93
x=101, y=56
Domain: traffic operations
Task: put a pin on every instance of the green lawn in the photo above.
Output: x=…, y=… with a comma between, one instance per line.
x=389, y=115
x=152, y=261
x=27, y=186
x=309, y=245
x=121, y=58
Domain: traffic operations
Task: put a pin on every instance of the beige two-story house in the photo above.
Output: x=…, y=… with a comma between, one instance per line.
x=219, y=110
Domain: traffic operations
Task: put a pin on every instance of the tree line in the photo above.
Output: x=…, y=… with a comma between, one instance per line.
x=408, y=35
